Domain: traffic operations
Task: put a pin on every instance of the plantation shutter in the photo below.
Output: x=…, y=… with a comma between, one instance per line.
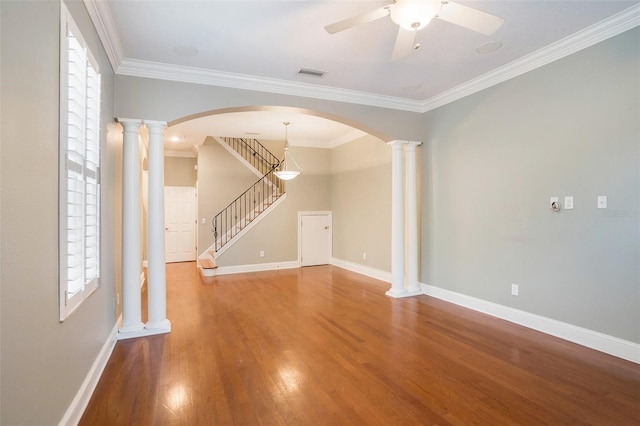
x=80, y=185
x=92, y=177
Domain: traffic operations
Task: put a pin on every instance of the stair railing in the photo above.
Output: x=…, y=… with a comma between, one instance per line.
x=244, y=209
x=254, y=152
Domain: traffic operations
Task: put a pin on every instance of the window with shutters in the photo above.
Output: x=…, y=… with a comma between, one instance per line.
x=79, y=180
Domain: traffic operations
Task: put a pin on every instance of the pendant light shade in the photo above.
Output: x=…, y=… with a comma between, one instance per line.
x=289, y=168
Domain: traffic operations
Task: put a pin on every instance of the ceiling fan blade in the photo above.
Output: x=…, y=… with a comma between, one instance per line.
x=357, y=20
x=404, y=44
x=468, y=17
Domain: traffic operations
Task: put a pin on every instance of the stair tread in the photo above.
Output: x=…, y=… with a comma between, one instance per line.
x=208, y=264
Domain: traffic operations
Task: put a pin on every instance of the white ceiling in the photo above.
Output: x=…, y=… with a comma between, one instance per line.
x=266, y=42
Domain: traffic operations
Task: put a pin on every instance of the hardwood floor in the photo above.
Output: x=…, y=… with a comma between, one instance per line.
x=324, y=346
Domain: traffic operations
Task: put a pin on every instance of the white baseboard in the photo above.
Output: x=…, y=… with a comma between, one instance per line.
x=256, y=267
x=75, y=411
x=362, y=269
x=592, y=339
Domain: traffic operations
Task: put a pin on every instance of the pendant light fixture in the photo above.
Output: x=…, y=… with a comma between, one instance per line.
x=289, y=168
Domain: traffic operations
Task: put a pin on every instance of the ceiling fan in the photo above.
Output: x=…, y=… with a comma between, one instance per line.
x=413, y=15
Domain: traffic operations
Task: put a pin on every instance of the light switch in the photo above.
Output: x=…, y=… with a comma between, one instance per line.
x=602, y=201
x=203, y=220
x=568, y=203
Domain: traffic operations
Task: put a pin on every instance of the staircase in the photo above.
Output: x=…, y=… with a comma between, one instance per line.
x=244, y=212
x=253, y=152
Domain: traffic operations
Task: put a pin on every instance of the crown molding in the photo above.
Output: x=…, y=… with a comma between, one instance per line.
x=137, y=68
x=603, y=30
x=101, y=16
x=102, y=19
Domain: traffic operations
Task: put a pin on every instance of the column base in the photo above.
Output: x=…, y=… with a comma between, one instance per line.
x=414, y=289
x=403, y=293
x=130, y=331
x=158, y=327
x=393, y=292
x=144, y=331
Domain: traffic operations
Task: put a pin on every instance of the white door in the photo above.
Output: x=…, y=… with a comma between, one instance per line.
x=180, y=223
x=315, y=238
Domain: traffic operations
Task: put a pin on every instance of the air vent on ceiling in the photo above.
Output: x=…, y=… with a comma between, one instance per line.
x=412, y=88
x=313, y=73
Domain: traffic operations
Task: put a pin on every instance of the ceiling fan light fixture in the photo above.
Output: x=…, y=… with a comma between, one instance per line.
x=413, y=15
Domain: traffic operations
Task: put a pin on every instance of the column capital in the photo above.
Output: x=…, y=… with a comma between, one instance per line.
x=413, y=144
x=156, y=131
x=128, y=122
x=397, y=143
x=155, y=124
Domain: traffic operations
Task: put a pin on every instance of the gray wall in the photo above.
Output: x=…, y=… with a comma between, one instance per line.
x=170, y=100
x=274, y=146
x=361, y=202
x=180, y=171
x=492, y=162
x=277, y=233
x=44, y=361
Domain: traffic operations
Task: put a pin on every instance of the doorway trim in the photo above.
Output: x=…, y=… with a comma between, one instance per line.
x=329, y=215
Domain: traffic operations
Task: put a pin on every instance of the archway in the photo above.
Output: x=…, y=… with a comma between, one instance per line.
x=287, y=111
x=314, y=192
x=351, y=176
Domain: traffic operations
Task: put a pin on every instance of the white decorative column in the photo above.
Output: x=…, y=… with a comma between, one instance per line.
x=156, y=273
x=413, y=287
x=397, y=220
x=131, y=265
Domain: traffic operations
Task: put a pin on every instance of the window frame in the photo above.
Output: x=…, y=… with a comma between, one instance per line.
x=86, y=170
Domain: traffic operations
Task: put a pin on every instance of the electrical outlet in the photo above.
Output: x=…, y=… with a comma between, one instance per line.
x=568, y=203
x=261, y=253
x=602, y=201
x=514, y=289
x=364, y=256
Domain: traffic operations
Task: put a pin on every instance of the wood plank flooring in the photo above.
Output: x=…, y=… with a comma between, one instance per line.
x=324, y=346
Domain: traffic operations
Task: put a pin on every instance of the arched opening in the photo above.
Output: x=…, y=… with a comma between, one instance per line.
x=347, y=170
x=282, y=111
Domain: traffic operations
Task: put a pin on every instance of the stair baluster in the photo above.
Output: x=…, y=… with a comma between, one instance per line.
x=255, y=200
